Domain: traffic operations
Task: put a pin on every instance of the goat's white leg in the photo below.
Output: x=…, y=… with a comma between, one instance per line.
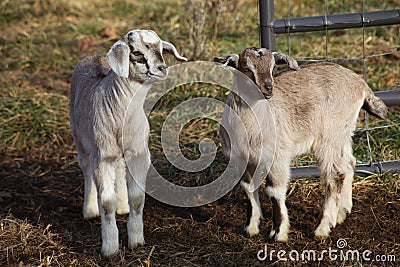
x=276, y=187
x=330, y=208
x=337, y=170
x=346, y=201
x=254, y=213
x=121, y=187
x=280, y=218
x=136, y=180
x=333, y=181
x=90, y=204
x=105, y=175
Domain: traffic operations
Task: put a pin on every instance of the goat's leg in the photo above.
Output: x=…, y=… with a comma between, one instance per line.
x=105, y=176
x=337, y=174
x=345, y=201
x=90, y=204
x=333, y=186
x=254, y=213
x=121, y=187
x=333, y=178
x=136, y=180
x=276, y=187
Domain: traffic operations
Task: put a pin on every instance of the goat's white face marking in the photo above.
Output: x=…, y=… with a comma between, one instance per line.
x=149, y=36
x=258, y=65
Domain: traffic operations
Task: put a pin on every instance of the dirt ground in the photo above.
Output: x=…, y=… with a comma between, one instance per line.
x=42, y=225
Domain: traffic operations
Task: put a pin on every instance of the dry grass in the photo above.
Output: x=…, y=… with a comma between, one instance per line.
x=41, y=186
x=27, y=243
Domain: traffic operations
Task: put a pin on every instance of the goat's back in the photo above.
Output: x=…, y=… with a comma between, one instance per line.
x=330, y=86
x=326, y=82
x=320, y=89
x=87, y=72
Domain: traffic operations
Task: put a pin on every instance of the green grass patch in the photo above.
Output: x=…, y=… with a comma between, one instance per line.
x=32, y=119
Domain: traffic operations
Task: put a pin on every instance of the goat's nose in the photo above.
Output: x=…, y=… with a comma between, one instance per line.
x=162, y=67
x=268, y=87
x=267, y=92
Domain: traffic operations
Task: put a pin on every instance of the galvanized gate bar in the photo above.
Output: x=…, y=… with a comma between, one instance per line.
x=362, y=170
x=269, y=26
x=337, y=21
x=391, y=98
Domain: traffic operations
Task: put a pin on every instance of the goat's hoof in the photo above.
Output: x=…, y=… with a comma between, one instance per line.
x=136, y=241
x=251, y=230
x=89, y=213
x=341, y=216
x=123, y=210
x=321, y=232
x=109, y=249
x=272, y=235
x=135, y=244
x=280, y=237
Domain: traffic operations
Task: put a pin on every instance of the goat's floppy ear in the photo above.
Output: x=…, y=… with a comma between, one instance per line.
x=118, y=58
x=170, y=49
x=291, y=62
x=231, y=60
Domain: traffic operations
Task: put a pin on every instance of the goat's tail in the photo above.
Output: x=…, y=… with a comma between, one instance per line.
x=375, y=106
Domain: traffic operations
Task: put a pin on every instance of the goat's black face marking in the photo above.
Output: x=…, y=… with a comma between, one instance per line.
x=137, y=57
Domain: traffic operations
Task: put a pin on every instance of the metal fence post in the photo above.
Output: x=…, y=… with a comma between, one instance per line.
x=266, y=22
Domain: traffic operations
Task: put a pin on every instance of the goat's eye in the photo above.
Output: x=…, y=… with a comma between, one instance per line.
x=260, y=53
x=137, y=53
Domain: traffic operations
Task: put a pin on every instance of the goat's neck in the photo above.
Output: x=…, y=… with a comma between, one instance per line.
x=127, y=90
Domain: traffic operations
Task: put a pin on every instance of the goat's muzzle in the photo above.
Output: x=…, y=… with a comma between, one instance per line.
x=160, y=72
x=267, y=91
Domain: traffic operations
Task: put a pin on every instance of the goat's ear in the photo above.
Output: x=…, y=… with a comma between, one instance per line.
x=118, y=58
x=231, y=60
x=291, y=62
x=170, y=49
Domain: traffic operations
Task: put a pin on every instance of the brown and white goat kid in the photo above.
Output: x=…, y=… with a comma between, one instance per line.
x=313, y=109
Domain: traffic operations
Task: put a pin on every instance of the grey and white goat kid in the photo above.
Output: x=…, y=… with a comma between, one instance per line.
x=102, y=88
x=313, y=109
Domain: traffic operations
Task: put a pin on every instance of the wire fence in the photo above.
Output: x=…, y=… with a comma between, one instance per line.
x=368, y=163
